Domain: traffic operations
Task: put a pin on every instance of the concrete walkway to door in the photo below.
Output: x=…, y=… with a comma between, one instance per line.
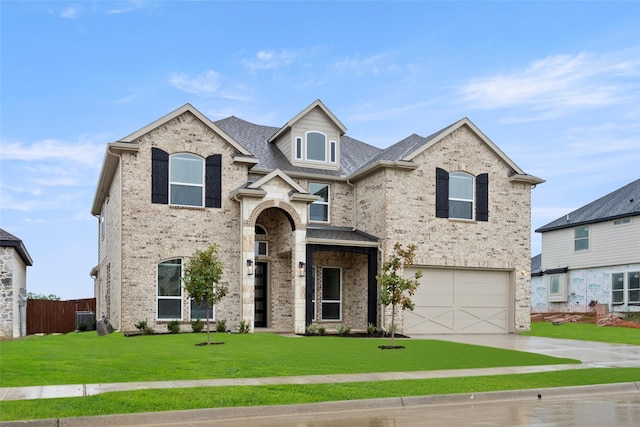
x=592, y=354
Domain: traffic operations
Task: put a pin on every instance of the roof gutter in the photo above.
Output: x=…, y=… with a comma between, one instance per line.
x=108, y=170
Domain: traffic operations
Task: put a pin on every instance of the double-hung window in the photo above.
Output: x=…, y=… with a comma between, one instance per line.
x=319, y=210
x=581, y=238
x=186, y=180
x=170, y=290
x=331, y=293
x=460, y=195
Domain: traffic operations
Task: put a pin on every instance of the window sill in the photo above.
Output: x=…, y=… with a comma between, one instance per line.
x=195, y=208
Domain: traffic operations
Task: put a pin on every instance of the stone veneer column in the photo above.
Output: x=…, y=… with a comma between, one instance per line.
x=299, y=282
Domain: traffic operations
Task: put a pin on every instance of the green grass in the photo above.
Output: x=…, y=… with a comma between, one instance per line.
x=585, y=332
x=86, y=358
x=196, y=398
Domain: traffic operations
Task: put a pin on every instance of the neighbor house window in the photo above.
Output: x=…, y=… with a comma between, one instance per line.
x=332, y=152
x=199, y=311
x=633, y=284
x=316, y=146
x=170, y=290
x=460, y=195
x=186, y=180
x=581, y=238
x=557, y=288
x=319, y=210
x=623, y=221
x=331, y=293
x=617, y=288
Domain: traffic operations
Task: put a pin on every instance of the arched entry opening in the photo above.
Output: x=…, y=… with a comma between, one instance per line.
x=274, y=291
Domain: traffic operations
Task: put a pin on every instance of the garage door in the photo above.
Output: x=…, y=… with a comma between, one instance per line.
x=459, y=301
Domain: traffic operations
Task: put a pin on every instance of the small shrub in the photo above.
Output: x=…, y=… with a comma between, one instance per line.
x=322, y=330
x=312, y=330
x=343, y=330
x=221, y=325
x=371, y=329
x=82, y=327
x=142, y=326
x=173, y=327
x=243, y=328
x=197, y=325
x=392, y=329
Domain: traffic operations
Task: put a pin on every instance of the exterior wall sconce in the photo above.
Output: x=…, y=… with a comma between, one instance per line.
x=249, y=267
x=302, y=269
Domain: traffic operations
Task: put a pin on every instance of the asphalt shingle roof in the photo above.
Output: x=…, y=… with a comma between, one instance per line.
x=621, y=203
x=9, y=240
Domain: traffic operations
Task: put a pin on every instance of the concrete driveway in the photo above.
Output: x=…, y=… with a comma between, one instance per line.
x=592, y=354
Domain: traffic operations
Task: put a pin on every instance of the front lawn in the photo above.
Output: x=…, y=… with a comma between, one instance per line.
x=218, y=397
x=86, y=358
x=586, y=332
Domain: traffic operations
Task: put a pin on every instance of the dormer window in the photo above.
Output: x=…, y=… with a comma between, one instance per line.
x=316, y=147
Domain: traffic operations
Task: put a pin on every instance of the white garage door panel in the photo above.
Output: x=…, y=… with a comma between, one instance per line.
x=459, y=301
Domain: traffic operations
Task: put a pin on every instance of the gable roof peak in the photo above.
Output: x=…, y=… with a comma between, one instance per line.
x=315, y=104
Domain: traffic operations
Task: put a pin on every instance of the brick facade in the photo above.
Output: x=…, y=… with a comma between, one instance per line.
x=394, y=204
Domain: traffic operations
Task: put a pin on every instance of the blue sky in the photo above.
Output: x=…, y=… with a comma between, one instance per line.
x=556, y=85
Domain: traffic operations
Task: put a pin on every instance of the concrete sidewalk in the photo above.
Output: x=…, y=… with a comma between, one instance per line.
x=80, y=390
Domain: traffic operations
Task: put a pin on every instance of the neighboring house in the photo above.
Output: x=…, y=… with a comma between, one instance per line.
x=305, y=216
x=591, y=254
x=14, y=260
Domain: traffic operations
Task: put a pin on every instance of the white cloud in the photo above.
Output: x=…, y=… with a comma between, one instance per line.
x=126, y=7
x=554, y=85
x=82, y=152
x=72, y=11
x=265, y=60
x=203, y=84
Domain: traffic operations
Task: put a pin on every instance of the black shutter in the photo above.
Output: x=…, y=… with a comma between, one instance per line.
x=482, y=197
x=213, y=182
x=442, y=193
x=159, y=176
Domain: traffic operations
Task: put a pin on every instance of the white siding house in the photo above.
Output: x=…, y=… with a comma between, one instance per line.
x=591, y=255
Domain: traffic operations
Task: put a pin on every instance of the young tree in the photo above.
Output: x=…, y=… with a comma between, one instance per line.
x=202, y=275
x=396, y=290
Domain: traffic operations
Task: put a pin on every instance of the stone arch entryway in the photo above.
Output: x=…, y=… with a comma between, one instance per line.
x=275, y=289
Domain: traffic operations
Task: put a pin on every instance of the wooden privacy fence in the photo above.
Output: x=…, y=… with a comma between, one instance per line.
x=47, y=316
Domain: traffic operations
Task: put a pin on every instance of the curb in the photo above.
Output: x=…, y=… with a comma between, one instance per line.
x=195, y=415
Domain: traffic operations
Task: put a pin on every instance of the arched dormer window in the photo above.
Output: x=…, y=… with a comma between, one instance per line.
x=316, y=146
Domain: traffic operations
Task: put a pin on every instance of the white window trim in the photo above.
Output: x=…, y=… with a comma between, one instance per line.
x=327, y=203
x=306, y=148
x=626, y=289
x=158, y=297
x=298, y=147
x=575, y=239
x=562, y=294
x=629, y=289
x=622, y=222
x=257, y=247
x=322, y=300
x=458, y=199
x=333, y=152
x=187, y=184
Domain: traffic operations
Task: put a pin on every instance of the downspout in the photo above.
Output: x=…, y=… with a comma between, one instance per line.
x=355, y=205
x=381, y=305
x=119, y=157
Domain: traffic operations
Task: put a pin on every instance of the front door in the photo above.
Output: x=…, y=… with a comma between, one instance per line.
x=260, y=317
